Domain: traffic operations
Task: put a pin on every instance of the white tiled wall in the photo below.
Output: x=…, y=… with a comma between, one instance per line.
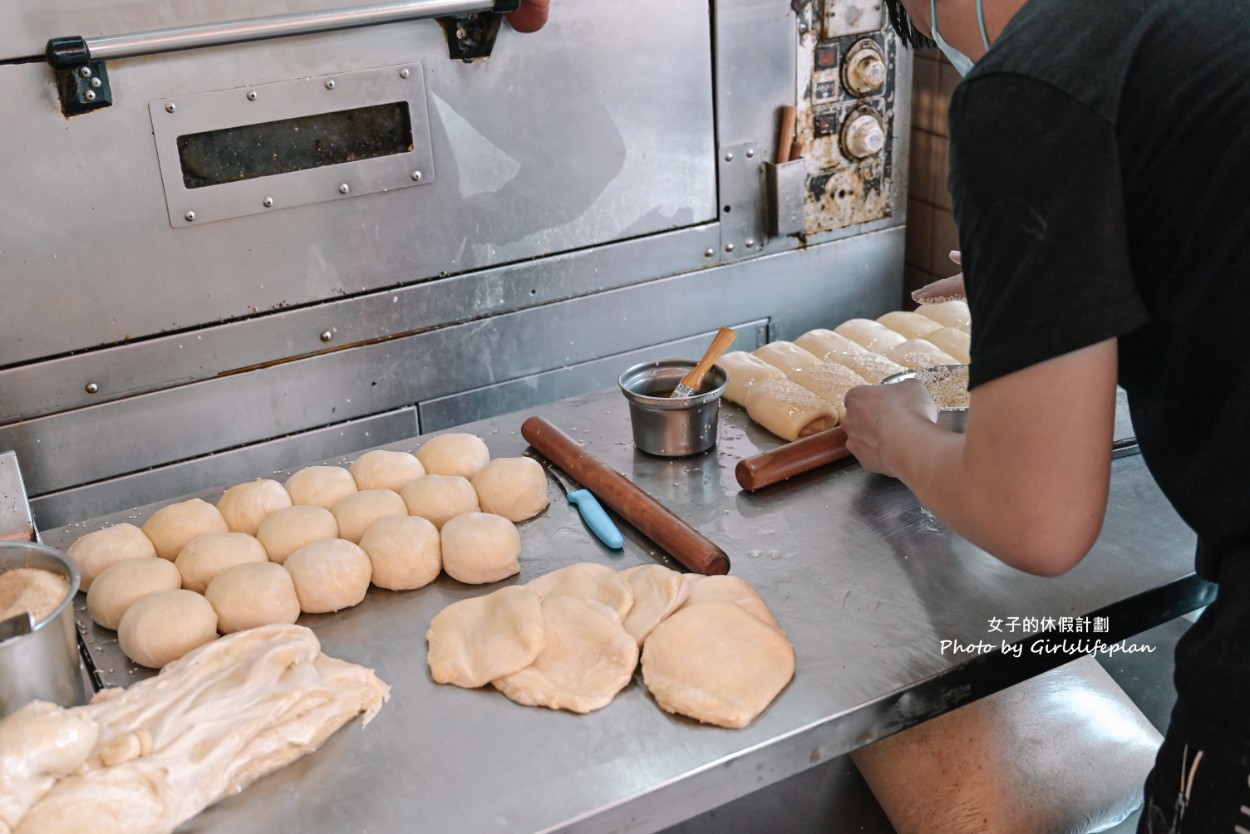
x=930, y=225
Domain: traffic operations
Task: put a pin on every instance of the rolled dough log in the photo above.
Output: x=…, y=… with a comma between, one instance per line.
x=716, y=663
x=918, y=353
x=122, y=584
x=290, y=528
x=587, y=658
x=321, y=486
x=658, y=592
x=953, y=313
x=829, y=381
x=356, y=512
x=954, y=341
x=172, y=526
x=745, y=372
x=245, y=506
x=480, y=639
x=208, y=555
x=911, y=325
x=870, y=334
x=834, y=347
x=385, y=469
x=587, y=580
x=515, y=488
x=480, y=547
x=786, y=357
x=405, y=552
x=96, y=551
x=731, y=589
x=440, y=498
x=789, y=410
x=329, y=575
x=252, y=595
x=454, y=454
x=162, y=627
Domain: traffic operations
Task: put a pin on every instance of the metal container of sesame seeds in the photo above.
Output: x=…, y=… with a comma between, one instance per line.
x=948, y=385
x=672, y=427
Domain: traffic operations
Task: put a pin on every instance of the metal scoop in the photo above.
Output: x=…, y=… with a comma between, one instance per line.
x=16, y=626
x=689, y=385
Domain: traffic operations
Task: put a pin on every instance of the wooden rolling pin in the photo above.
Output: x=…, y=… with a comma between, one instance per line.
x=683, y=542
x=795, y=458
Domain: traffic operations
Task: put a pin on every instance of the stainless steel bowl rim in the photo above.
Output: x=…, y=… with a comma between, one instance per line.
x=673, y=369
x=914, y=372
x=15, y=551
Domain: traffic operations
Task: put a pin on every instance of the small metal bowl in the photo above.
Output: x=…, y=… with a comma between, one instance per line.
x=954, y=418
x=669, y=427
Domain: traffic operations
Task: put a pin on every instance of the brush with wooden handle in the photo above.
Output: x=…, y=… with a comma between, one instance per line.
x=689, y=385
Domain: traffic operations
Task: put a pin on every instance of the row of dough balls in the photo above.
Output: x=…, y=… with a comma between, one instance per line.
x=303, y=557
x=571, y=639
x=798, y=388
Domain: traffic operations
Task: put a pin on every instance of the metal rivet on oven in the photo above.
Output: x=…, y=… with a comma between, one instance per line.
x=189, y=216
x=709, y=252
x=326, y=335
x=267, y=202
x=750, y=152
x=89, y=95
x=461, y=34
x=252, y=95
x=750, y=242
x=729, y=157
x=85, y=72
x=329, y=83
x=344, y=188
x=405, y=72
x=92, y=388
x=416, y=176
x=169, y=108
x=729, y=247
x=97, y=83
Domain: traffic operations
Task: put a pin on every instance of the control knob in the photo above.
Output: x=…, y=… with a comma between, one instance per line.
x=864, y=69
x=863, y=135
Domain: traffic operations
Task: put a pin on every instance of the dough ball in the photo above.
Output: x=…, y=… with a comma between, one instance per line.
x=405, y=551
x=329, y=575
x=354, y=513
x=731, y=589
x=122, y=584
x=382, y=469
x=96, y=551
x=481, y=639
x=290, y=528
x=454, y=454
x=206, y=556
x=587, y=658
x=587, y=580
x=321, y=486
x=440, y=498
x=515, y=488
x=716, y=663
x=251, y=595
x=480, y=548
x=162, y=627
x=245, y=506
x=171, y=527
x=658, y=592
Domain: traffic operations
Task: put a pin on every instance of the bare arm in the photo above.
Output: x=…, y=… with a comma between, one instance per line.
x=1028, y=481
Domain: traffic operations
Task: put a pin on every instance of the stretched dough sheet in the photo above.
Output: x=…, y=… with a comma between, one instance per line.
x=952, y=313
x=870, y=334
x=952, y=340
x=918, y=353
x=745, y=372
x=911, y=325
x=829, y=381
x=789, y=410
x=786, y=356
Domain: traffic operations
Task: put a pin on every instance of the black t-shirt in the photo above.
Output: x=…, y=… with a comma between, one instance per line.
x=1100, y=168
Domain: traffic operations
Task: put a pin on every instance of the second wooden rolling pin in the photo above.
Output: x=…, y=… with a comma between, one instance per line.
x=683, y=542
x=794, y=458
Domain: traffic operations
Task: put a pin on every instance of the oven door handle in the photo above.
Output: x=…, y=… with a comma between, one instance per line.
x=72, y=52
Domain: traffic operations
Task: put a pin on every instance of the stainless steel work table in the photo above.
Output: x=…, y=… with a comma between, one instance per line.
x=865, y=582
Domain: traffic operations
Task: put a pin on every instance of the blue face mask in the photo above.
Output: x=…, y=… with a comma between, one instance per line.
x=960, y=61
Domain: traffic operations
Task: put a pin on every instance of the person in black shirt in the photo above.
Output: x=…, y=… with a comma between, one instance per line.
x=1100, y=160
